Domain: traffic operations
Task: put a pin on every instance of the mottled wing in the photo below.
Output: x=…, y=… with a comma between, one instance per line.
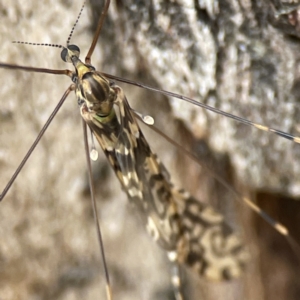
x=207, y=243
x=190, y=231
x=144, y=180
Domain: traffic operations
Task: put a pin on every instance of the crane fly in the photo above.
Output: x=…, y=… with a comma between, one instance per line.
x=80, y=265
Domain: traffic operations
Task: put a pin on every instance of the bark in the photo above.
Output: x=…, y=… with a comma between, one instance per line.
x=238, y=56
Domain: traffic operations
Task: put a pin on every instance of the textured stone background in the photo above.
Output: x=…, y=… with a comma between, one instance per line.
x=237, y=57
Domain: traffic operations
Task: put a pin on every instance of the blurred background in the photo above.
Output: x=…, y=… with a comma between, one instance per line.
x=237, y=57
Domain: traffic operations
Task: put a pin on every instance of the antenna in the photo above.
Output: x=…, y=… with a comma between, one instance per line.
x=75, y=24
x=55, y=45
x=38, y=44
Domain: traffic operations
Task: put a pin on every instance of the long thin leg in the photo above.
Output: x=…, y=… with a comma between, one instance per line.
x=96, y=218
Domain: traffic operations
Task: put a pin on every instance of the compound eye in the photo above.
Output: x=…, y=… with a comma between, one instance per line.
x=67, y=53
x=74, y=49
x=64, y=54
